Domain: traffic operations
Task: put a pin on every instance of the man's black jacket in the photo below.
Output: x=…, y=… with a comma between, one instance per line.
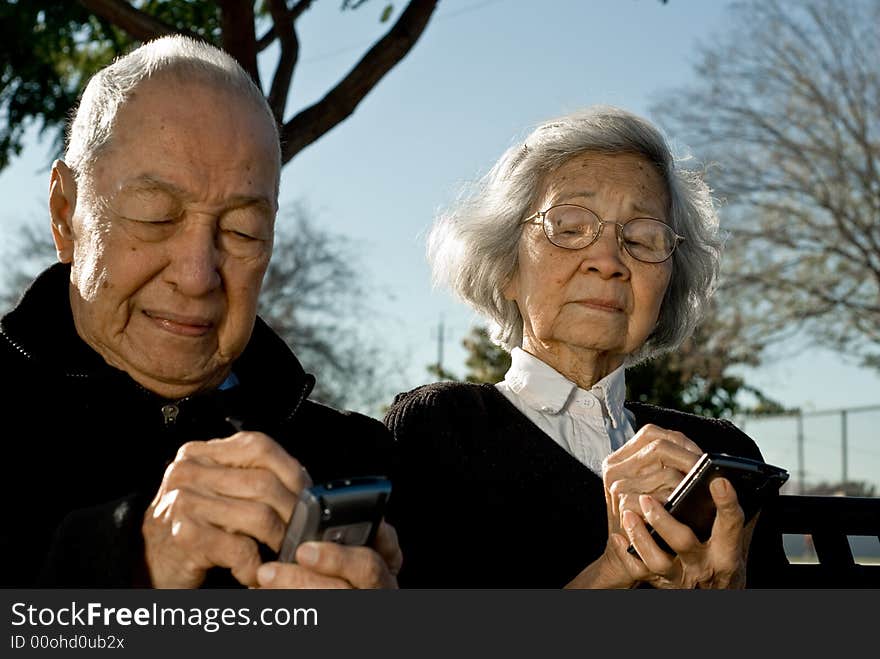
x=85, y=447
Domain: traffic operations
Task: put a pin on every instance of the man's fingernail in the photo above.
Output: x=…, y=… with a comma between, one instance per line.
x=307, y=554
x=629, y=520
x=646, y=502
x=266, y=574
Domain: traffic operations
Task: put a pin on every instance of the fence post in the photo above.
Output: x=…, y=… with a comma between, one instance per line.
x=800, y=451
x=843, y=455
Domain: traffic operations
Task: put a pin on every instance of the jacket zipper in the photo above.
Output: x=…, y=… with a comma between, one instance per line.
x=171, y=410
x=306, y=390
x=169, y=413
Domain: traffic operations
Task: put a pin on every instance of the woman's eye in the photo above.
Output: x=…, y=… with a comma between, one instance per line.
x=569, y=229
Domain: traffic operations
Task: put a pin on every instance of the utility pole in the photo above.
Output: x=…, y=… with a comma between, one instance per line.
x=440, y=347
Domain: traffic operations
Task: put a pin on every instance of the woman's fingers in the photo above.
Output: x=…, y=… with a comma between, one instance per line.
x=717, y=563
x=625, y=492
x=640, y=464
x=729, y=516
x=651, y=433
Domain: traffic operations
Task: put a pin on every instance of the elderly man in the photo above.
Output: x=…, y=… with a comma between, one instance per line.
x=133, y=364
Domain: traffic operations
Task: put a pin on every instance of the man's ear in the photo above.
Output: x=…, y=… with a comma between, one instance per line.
x=62, y=203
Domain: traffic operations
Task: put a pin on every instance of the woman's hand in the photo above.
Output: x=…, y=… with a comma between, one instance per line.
x=638, y=479
x=720, y=562
x=653, y=462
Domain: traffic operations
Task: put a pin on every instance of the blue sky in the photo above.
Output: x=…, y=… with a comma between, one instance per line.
x=483, y=74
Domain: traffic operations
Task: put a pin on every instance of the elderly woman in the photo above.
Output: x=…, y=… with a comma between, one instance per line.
x=589, y=250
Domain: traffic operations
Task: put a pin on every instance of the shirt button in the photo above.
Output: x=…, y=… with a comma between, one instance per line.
x=589, y=402
x=546, y=408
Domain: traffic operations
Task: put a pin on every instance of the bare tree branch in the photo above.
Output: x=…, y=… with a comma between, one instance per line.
x=308, y=125
x=266, y=39
x=138, y=24
x=284, y=28
x=237, y=34
x=787, y=109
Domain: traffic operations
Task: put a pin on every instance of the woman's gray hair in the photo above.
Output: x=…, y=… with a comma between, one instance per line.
x=91, y=128
x=473, y=246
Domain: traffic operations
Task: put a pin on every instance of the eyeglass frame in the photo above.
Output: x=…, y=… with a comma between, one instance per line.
x=541, y=216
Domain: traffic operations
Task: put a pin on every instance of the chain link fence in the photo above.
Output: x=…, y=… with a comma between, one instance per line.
x=834, y=450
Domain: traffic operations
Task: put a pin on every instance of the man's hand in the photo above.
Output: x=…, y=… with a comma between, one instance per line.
x=330, y=565
x=217, y=500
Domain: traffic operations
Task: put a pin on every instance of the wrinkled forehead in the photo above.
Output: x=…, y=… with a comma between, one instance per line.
x=219, y=133
x=181, y=82
x=583, y=174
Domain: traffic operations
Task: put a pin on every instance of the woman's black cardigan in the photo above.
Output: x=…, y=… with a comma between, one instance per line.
x=485, y=499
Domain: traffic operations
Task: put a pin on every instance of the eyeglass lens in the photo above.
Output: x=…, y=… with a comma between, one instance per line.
x=573, y=227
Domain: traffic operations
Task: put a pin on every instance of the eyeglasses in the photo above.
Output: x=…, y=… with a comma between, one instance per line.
x=575, y=227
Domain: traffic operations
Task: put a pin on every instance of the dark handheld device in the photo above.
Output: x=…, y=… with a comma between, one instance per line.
x=347, y=511
x=691, y=502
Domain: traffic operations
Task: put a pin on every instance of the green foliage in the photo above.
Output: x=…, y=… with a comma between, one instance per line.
x=44, y=65
x=51, y=49
x=486, y=362
x=663, y=381
x=196, y=17
x=697, y=377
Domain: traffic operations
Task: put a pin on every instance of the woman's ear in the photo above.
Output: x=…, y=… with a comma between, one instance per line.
x=511, y=288
x=62, y=204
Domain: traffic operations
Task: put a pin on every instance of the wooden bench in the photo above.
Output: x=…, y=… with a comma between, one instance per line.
x=828, y=520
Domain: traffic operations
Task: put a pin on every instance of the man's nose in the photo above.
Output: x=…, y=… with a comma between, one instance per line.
x=195, y=259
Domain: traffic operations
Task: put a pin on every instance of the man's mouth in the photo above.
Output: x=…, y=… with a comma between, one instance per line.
x=180, y=324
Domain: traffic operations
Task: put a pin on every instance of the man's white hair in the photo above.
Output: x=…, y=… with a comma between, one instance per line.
x=91, y=127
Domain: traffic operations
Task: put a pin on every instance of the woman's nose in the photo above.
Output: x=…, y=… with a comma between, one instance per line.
x=604, y=255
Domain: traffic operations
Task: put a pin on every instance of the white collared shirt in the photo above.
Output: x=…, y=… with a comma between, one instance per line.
x=590, y=425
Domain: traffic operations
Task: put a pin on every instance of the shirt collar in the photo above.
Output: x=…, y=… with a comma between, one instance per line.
x=543, y=388
x=613, y=394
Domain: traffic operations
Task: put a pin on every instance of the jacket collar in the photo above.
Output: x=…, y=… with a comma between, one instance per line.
x=41, y=327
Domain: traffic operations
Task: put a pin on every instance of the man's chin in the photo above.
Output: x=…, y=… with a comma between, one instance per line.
x=179, y=383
